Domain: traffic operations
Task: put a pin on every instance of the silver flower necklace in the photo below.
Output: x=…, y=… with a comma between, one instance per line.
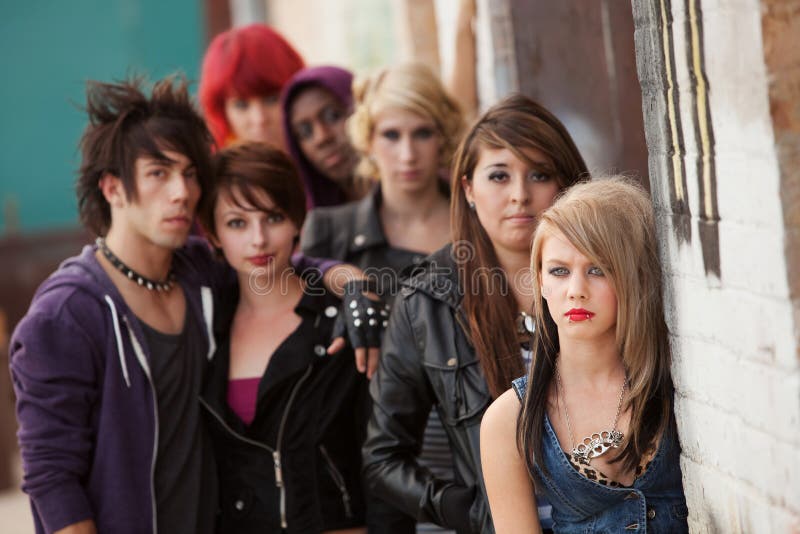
x=598, y=443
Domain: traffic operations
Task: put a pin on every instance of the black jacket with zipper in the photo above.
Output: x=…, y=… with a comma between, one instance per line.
x=427, y=360
x=296, y=467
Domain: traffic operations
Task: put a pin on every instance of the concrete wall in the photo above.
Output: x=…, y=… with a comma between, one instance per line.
x=720, y=99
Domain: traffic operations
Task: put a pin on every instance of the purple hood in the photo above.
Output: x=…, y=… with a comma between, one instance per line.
x=320, y=191
x=85, y=401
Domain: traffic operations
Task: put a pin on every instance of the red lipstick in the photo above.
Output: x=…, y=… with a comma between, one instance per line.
x=578, y=314
x=260, y=260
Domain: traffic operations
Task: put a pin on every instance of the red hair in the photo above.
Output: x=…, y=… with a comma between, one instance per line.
x=247, y=61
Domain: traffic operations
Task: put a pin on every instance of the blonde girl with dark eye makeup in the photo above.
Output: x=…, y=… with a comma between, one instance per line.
x=591, y=426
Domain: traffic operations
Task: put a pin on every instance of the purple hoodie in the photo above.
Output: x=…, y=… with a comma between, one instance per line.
x=320, y=191
x=85, y=400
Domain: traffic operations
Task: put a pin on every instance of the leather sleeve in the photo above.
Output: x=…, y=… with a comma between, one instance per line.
x=402, y=400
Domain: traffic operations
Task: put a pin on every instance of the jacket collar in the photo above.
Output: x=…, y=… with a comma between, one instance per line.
x=86, y=272
x=369, y=230
x=437, y=276
x=368, y=222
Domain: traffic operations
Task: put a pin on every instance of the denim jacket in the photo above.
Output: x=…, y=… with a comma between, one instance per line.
x=654, y=503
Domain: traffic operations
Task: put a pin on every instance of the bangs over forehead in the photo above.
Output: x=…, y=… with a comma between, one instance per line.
x=522, y=151
x=160, y=134
x=257, y=178
x=247, y=81
x=156, y=135
x=607, y=220
x=249, y=197
x=521, y=143
x=581, y=238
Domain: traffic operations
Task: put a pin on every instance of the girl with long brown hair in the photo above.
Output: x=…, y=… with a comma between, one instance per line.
x=600, y=369
x=454, y=339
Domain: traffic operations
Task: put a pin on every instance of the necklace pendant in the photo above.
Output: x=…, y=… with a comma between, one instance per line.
x=596, y=445
x=525, y=324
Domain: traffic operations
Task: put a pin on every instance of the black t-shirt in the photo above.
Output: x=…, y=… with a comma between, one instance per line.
x=185, y=475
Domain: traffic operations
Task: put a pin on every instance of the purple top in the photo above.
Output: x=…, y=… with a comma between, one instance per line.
x=320, y=191
x=242, y=396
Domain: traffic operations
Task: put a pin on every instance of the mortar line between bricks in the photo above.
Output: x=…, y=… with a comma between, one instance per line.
x=738, y=417
x=736, y=224
x=726, y=286
x=740, y=483
x=737, y=356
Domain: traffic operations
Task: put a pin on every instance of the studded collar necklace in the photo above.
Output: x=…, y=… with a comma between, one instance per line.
x=147, y=283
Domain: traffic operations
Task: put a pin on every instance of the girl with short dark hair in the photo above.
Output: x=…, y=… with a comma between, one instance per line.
x=286, y=417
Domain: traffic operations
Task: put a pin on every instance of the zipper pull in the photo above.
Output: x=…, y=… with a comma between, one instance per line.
x=276, y=458
x=348, y=510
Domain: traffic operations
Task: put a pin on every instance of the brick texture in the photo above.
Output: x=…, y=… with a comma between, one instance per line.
x=736, y=363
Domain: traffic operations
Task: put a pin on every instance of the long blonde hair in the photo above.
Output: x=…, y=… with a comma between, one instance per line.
x=412, y=87
x=611, y=222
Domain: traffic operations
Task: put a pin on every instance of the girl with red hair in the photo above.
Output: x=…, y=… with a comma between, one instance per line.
x=243, y=72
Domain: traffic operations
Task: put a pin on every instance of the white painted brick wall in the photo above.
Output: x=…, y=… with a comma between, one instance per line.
x=734, y=337
x=735, y=347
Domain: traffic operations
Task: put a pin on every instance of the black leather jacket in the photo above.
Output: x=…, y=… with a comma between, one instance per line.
x=296, y=468
x=427, y=360
x=353, y=233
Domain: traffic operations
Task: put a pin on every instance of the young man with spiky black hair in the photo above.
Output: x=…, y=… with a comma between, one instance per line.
x=108, y=362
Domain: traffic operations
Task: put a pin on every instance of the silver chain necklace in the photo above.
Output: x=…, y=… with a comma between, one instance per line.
x=600, y=442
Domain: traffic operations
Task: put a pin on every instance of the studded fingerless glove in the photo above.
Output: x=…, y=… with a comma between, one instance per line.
x=362, y=319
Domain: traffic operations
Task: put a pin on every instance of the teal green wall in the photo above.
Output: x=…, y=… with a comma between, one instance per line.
x=49, y=49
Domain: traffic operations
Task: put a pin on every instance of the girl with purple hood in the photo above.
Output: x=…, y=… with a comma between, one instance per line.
x=316, y=103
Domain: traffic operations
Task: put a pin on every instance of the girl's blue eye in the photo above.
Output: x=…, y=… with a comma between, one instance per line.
x=391, y=135
x=597, y=271
x=424, y=133
x=558, y=271
x=235, y=223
